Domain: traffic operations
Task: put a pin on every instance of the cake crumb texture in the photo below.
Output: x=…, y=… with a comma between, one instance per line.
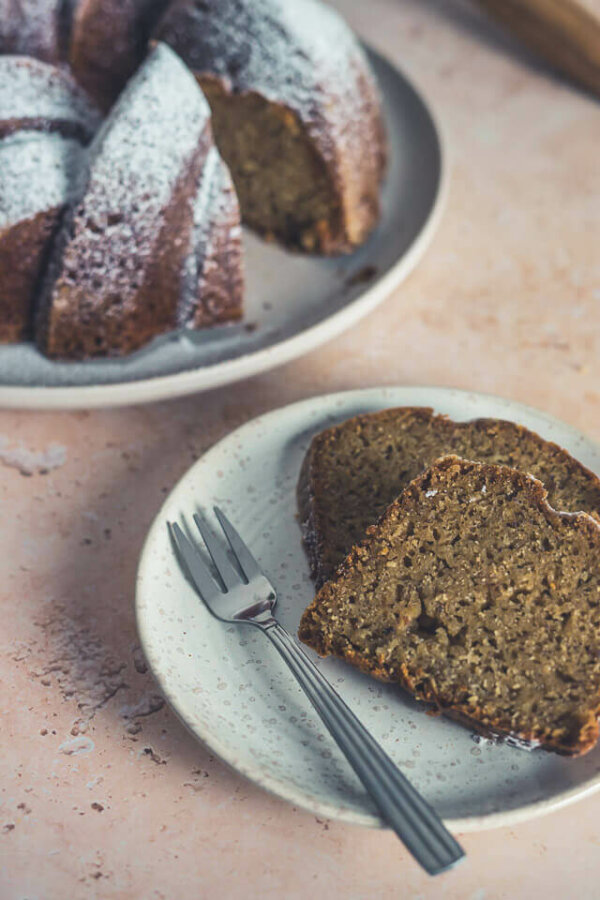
x=478, y=597
x=353, y=471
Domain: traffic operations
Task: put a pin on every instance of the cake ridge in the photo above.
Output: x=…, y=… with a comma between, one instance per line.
x=213, y=286
x=35, y=95
x=23, y=189
x=144, y=166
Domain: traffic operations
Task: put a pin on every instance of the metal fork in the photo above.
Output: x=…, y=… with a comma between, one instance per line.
x=250, y=598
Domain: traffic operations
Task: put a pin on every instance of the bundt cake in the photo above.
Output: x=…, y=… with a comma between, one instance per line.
x=34, y=28
x=38, y=177
x=108, y=42
x=41, y=97
x=119, y=270
x=296, y=114
x=354, y=470
x=150, y=240
x=478, y=597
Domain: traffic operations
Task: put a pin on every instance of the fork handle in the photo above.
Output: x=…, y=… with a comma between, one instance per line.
x=400, y=805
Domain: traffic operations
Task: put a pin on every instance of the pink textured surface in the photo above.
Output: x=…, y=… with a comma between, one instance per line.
x=103, y=792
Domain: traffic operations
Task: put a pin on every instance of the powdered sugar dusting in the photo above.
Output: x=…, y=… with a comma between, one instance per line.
x=38, y=173
x=211, y=202
x=151, y=145
x=36, y=95
x=31, y=27
x=222, y=213
x=282, y=48
x=77, y=746
x=299, y=53
x=151, y=131
x=28, y=462
x=145, y=706
x=216, y=224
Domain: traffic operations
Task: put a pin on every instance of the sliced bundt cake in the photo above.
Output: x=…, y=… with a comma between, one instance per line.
x=118, y=272
x=354, y=470
x=109, y=40
x=37, y=96
x=475, y=595
x=296, y=114
x=38, y=178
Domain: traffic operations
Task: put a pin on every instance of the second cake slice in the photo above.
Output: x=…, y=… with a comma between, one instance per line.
x=354, y=470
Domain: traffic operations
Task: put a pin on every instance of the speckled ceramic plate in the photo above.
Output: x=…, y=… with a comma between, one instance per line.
x=293, y=302
x=234, y=692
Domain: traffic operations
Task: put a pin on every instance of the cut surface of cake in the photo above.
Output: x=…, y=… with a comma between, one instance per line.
x=108, y=42
x=354, y=470
x=37, y=96
x=296, y=114
x=118, y=272
x=476, y=596
x=38, y=178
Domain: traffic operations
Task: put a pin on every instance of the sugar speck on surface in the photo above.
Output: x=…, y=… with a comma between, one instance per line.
x=34, y=91
x=28, y=462
x=145, y=706
x=77, y=746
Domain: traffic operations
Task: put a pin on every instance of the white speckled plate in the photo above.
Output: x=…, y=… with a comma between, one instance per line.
x=234, y=692
x=293, y=302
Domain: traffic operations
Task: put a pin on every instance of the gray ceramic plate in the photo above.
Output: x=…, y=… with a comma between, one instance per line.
x=293, y=302
x=233, y=691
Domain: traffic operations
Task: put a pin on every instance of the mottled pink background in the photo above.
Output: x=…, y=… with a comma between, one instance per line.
x=103, y=792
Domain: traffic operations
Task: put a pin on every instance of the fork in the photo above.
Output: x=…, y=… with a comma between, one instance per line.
x=247, y=596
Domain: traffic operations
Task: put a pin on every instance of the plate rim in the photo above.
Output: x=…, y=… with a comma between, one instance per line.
x=282, y=789
x=229, y=371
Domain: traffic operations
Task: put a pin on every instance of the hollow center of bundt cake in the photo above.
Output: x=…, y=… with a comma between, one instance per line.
x=483, y=599
x=281, y=182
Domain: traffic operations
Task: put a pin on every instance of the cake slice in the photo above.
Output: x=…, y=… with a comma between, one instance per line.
x=118, y=270
x=476, y=596
x=38, y=179
x=354, y=470
x=296, y=113
x=37, y=96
